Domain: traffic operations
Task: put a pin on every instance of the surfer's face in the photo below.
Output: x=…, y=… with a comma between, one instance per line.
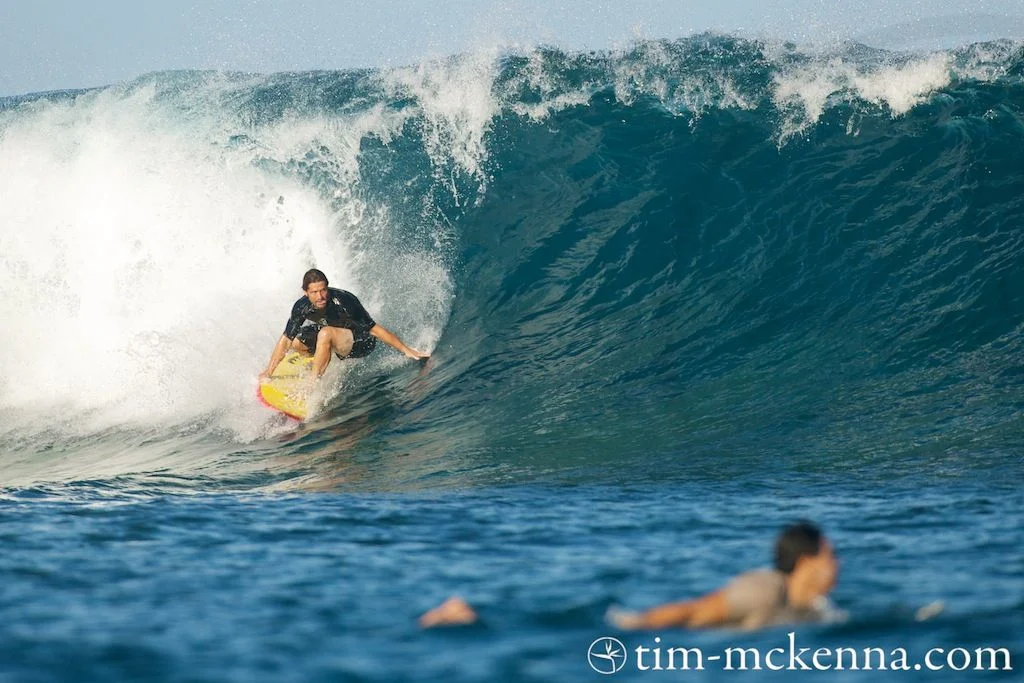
x=317, y=294
x=820, y=571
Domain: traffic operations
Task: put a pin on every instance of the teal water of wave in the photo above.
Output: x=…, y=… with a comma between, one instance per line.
x=676, y=296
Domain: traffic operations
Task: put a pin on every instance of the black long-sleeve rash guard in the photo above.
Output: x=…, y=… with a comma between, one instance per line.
x=343, y=310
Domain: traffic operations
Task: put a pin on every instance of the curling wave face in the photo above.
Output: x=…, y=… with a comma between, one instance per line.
x=689, y=256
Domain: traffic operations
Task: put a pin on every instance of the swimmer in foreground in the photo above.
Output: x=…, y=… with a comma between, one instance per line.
x=795, y=590
x=326, y=319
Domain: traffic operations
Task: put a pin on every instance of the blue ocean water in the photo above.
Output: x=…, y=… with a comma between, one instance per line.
x=677, y=297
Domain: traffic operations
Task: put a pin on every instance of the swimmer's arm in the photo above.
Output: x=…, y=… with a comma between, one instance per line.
x=275, y=358
x=709, y=610
x=390, y=339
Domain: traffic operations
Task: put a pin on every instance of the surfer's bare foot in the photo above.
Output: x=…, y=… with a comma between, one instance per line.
x=452, y=612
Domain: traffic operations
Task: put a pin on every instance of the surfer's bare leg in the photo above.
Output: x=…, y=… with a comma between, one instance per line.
x=338, y=340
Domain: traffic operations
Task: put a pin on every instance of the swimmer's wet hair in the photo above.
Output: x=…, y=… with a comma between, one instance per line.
x=795, y=541
x=313, y=275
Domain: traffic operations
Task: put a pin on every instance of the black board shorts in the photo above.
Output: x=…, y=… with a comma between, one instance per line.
x=362, y=344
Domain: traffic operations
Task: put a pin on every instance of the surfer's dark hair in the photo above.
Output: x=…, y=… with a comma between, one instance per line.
x=313, y=275
x=795, y=541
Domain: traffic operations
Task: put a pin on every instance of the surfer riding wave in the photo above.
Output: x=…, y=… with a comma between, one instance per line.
x=327, y=319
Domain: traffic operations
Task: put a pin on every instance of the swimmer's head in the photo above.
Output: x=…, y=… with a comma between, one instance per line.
x=802, y=549
x=796, y=541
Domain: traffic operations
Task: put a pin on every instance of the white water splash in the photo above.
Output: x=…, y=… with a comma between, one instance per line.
x=149, y=263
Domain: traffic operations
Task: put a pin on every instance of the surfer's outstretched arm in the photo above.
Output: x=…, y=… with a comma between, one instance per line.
x=279, y=350
x=390, y=339
x=710, y=610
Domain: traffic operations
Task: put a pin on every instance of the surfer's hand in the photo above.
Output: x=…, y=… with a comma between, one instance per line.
x=416, y=355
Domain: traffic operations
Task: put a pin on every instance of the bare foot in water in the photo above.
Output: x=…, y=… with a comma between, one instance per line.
x=452, y=612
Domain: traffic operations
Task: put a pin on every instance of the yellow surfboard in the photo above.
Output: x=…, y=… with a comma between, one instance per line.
x=287, y=390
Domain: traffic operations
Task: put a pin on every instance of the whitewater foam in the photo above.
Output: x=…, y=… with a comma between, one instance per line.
x=456, y=101
x=148, y=264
